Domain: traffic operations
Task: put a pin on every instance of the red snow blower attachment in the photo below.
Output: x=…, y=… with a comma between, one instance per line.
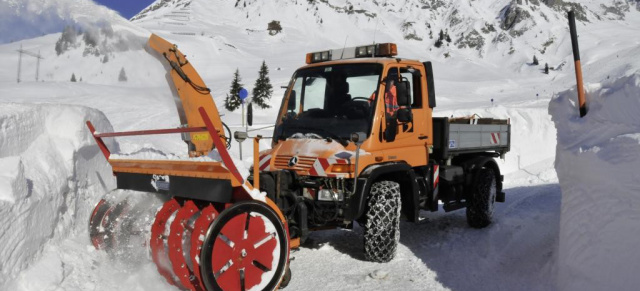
x=205, y=226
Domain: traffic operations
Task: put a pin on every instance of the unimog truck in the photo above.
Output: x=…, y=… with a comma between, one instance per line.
x=355, y=140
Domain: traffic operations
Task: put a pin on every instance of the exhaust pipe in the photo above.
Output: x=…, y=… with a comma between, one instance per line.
x=576, y=58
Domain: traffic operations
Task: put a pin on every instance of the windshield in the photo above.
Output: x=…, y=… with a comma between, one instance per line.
x=331, y=102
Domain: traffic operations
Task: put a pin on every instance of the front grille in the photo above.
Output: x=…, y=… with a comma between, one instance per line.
x=304, y=163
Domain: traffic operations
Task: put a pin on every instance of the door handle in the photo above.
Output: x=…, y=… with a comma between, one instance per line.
x=423, y=137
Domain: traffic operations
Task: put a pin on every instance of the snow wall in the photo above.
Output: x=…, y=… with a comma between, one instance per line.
x=51, y=175
x=598, y=166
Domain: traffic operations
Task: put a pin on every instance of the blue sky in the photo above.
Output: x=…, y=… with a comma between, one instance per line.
x=127, y=8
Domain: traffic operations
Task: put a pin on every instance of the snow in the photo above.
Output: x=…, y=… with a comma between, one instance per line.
x=52, y=174
x=597, y=164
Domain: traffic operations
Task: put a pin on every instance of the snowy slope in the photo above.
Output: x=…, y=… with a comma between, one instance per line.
x=518, y=252
x=24, y=19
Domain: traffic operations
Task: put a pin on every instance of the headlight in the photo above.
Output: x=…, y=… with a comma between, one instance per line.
x=329, y=195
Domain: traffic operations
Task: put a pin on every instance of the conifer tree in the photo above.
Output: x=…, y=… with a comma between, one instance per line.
x=232, y=102
x=546, y=68
x=73, y=77
x=535, y=60
x=66, y=40
x=263, y=89
x=440, y=39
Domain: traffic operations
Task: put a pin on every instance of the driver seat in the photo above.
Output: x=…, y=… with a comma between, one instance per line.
x=339, y=95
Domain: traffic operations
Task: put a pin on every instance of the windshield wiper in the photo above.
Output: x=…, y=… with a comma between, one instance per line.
x=329, y=135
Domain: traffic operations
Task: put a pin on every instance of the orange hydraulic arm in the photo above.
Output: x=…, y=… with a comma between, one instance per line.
x=191, y=95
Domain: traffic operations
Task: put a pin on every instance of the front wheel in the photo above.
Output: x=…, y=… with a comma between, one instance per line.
x=246, y=246
x=481, y=203
x=382, y=226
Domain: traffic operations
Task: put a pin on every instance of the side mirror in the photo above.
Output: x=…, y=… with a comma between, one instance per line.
x=358, y=137
x=403, y=93
x=250, y=114
x=240, y=136
x=292, y=101
x=404, y=115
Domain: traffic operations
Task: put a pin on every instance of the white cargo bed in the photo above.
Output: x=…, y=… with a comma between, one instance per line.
x=464, y=135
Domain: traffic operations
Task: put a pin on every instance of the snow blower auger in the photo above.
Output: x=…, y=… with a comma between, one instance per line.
x=203, y=224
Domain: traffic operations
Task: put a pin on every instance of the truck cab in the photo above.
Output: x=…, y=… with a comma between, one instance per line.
x=354, y=138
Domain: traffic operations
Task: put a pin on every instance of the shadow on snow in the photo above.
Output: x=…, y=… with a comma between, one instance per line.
x=517, y=252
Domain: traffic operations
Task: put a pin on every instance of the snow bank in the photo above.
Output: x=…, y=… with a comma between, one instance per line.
x=598, y=165
x=51, y=175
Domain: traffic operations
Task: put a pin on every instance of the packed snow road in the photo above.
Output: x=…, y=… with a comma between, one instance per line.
x=440, y=253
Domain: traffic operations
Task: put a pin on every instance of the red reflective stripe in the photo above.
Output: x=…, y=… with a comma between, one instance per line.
x=265, y=165
x=324, y=163
x=264, y=162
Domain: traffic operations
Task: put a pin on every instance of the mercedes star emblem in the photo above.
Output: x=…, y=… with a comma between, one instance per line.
x=293, y=161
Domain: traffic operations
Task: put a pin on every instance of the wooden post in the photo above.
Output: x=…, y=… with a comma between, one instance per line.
x=576, y=57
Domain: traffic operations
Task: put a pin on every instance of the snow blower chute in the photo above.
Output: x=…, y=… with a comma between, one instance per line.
x=205, y=226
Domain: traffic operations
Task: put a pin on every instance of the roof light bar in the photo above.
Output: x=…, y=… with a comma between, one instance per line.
x=318, y=57
x=367, y=51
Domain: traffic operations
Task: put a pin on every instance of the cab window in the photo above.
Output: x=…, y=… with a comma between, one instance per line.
x=414, y=81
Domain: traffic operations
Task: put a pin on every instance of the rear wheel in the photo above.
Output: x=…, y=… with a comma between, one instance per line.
x=246, y=246
x=481, y=203
x=382, y=226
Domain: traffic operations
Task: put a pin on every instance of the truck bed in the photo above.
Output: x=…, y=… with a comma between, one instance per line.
x=456, y=136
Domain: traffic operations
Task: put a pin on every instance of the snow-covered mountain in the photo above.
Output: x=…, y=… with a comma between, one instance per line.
x=226, y=35
x=510, y=30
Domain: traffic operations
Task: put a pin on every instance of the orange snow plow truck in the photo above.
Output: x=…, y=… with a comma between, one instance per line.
x=354, y=141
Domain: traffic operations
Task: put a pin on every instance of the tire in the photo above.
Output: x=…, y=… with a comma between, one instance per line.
x=482, y=200
x=382, y=226
x=286, y=279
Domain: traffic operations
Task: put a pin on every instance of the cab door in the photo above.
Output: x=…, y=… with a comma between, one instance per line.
x=409, y=143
